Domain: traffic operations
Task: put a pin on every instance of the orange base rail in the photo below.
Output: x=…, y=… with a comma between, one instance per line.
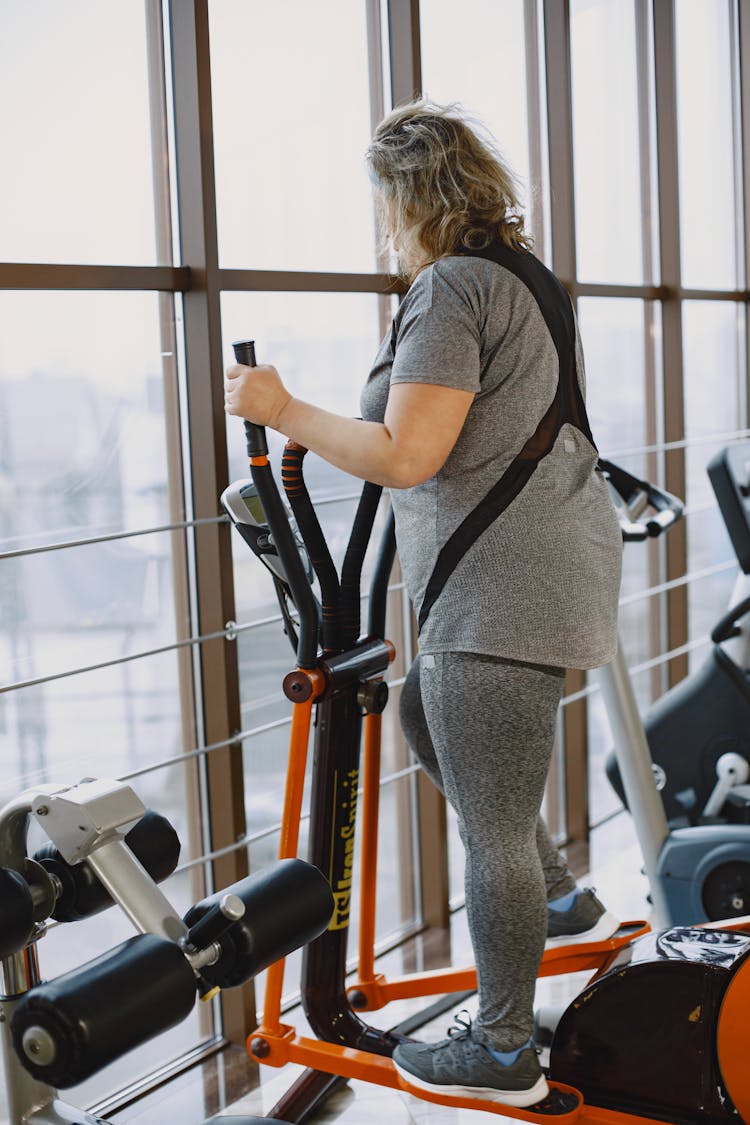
x=370, y=995
x=277, y=1048
x=277, y=1044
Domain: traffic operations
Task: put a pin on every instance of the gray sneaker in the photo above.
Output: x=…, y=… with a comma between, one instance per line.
x=587, y=920
x=463, y=1066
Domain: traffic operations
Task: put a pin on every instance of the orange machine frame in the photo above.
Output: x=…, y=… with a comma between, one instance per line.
x=275, y=1043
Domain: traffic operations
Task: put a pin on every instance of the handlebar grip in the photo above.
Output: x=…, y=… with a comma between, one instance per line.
x=662, y=521
x=257, y=446
x=291, y=469
x=726, y=626
x=314, y=540
x=67, y=1029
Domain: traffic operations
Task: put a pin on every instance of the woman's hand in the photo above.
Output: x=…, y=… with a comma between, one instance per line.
x=422, y=424
x=255, y=393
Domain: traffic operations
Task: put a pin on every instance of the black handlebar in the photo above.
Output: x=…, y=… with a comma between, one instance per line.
x=340, y=599
x=299, y=501
x=276, y=516
x=726, y=626
x=257, y=446
x=637, y=495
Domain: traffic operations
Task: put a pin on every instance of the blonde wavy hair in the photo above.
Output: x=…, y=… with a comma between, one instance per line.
x=442, y=186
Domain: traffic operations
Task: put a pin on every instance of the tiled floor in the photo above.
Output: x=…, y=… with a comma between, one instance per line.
x=615, y=867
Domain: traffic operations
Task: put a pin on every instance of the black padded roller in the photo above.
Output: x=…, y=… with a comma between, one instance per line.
x=286, y=906
x=16, y=912
x=152, y=840
x=68, y=1029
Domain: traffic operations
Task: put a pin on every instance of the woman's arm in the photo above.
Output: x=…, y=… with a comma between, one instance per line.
x=421, y=426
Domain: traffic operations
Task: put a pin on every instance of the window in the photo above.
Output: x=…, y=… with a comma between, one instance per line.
x=706, y=123
x=92, y=616
x=76, y=126
x=714, y=358
x=119, y=577
x=606, y=137
x=490, y=79
x=291, y=124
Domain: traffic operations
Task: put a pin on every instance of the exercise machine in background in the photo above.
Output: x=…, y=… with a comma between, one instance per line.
x=106, y=847
x=681, y=771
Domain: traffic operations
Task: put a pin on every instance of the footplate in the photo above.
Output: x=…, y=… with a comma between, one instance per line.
x=564, y=1103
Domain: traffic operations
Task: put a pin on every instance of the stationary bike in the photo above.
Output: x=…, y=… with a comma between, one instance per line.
x=614, y=1060
x=106, y=847
x=682, y=770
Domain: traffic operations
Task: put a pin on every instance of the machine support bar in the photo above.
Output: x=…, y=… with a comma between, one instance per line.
x=295, y=782
x=369, y=851
x=635, y=765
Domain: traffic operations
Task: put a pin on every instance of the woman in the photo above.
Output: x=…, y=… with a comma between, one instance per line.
x=473, y=415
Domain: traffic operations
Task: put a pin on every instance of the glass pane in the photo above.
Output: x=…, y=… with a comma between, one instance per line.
x=714, y=395
x=83, y=606
x=609, y=224
x=709, y=597
x=82, y=416
x=77, y=182
x=323, y=345
x=714, y=409
x=291, y=124
x=265, y=657
x=83, y=452
x=619, y=404
x=107, y=722
x=613, y=335
x=706, y=144
x=490, y=79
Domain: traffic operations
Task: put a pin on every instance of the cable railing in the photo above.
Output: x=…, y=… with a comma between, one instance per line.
x=684, y=443
x=674, y=583
x=645, y=666
x=232, y=630
x=110, y=537
x=343, y=497
x=133, y=533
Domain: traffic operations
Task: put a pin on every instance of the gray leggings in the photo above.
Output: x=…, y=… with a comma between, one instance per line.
x=483, y=729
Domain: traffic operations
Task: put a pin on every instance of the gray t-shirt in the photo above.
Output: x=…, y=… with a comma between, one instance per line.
x=541, y=584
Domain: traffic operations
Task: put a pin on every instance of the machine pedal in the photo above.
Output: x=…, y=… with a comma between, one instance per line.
x=561, y=1102
x=564, y=1103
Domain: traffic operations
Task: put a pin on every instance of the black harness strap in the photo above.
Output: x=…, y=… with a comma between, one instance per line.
x=566, y=407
